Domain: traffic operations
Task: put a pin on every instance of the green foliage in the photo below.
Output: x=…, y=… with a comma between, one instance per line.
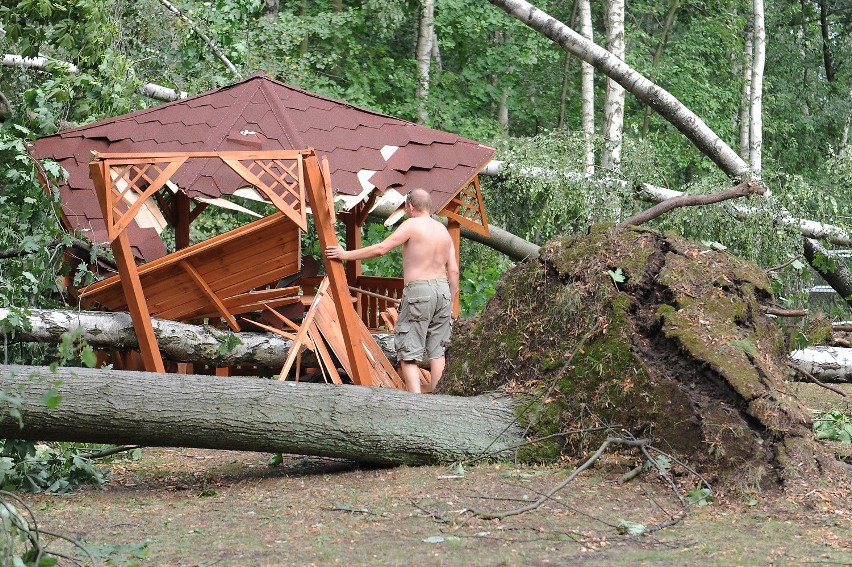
x=700, y=496
x=44, y=468
x=476, y=286
x=833, y=425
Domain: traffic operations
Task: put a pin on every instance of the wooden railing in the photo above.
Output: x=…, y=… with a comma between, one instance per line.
x=378, y=294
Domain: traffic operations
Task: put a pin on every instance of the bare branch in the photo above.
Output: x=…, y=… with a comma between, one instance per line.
x=744, y=189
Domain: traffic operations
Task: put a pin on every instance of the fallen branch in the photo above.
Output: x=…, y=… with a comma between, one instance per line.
x=813, y=378
x=779, y=312
x=549, y=494
x=834, y=272
x=204, y=37
x=744, y=189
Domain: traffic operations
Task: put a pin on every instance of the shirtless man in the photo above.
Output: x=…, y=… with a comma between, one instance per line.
x=431, y=275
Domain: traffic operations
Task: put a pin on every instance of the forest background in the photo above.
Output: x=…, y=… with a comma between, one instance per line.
x=489, y=78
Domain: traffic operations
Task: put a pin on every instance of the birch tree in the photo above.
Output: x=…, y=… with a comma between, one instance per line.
x=745, y=103
x=587, y=88
x=614, y=103
x=424, y=58
x=756, y=112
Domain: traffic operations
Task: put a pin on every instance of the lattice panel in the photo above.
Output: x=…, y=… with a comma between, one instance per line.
x=468, y=208
x=129, y=182
x=281, y=180
x=279, y=177
x=130, y=185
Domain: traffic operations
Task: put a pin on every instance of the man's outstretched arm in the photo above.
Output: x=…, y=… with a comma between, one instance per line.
x=399, y=237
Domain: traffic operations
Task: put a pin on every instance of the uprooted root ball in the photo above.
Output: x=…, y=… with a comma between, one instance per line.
x=646, y=334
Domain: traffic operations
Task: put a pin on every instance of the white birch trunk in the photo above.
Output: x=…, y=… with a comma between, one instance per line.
x=614, y=103
x=588, y=89
x=756, y=117
x=828, y=364
x=150, y=90
x=745, y=102
x=424, y=58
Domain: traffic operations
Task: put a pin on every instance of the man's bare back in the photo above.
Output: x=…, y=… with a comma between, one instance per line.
x=427, y=251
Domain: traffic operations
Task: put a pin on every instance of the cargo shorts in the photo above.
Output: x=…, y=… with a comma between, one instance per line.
x=425, y=320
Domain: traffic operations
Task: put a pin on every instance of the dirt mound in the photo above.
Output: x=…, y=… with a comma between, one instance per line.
x=652, y=335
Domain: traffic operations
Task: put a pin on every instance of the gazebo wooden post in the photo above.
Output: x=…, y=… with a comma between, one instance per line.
x=339, y=289
x=181, y=215
x=454, y=228
x=132, y=287
x=353, y=241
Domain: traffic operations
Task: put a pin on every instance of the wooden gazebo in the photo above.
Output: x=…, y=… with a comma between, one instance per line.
x=158, y=167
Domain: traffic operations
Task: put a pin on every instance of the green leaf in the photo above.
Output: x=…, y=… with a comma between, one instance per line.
x=626, y=527
x=617, y=276
x=88, y=356
x=51, y=399
x=700, y=496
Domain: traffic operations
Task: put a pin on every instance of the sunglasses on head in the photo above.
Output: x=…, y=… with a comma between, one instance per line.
x=408, y=198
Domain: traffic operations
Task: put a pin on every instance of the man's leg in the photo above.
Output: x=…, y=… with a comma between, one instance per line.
x=436, y=370
x=411, y=375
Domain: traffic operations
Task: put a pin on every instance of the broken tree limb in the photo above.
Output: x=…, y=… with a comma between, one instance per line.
x=500, y=240
x=742, y=190
x=655, y=194
x=837, y=275
x=179, y=342
x=150, y=90
x=372, y=425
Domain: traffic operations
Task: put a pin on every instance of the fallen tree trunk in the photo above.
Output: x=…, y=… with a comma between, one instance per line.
x=829, y=364
x=832, y=270
x=178, y=341
x=371, y=425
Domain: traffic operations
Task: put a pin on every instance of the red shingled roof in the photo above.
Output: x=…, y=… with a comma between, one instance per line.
x=262, y=114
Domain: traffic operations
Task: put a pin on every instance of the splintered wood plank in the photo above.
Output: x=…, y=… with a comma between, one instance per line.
x=288, y=336
x=381, y=371
x=282, y=318
x=329, y=328
x=389, y=316
x=325, y=358
x=301, y=336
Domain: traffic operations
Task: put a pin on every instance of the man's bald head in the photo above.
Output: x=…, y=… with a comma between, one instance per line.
x=420, y=199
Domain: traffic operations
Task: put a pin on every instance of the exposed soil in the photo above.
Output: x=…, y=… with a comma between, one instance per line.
x=203, y=507
x=646, y=335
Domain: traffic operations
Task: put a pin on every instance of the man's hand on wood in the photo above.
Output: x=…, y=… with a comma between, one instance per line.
x=335, y=252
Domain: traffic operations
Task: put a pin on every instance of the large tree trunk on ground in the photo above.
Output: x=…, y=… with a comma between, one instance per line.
x=177, y=341
x=829, y=364
x=373, y=425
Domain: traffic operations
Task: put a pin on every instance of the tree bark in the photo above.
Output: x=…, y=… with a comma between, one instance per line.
x=829, y=364
x=587, y=89
x=742, y=190
x=614, y=101
x=372, y=425
x=178, y=342
x=838, y=276
x=826, y=41
x=745, y=102
x=756, y=111
x=424, y=58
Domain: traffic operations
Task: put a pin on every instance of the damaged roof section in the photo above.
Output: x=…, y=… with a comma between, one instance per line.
x=365, y=149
